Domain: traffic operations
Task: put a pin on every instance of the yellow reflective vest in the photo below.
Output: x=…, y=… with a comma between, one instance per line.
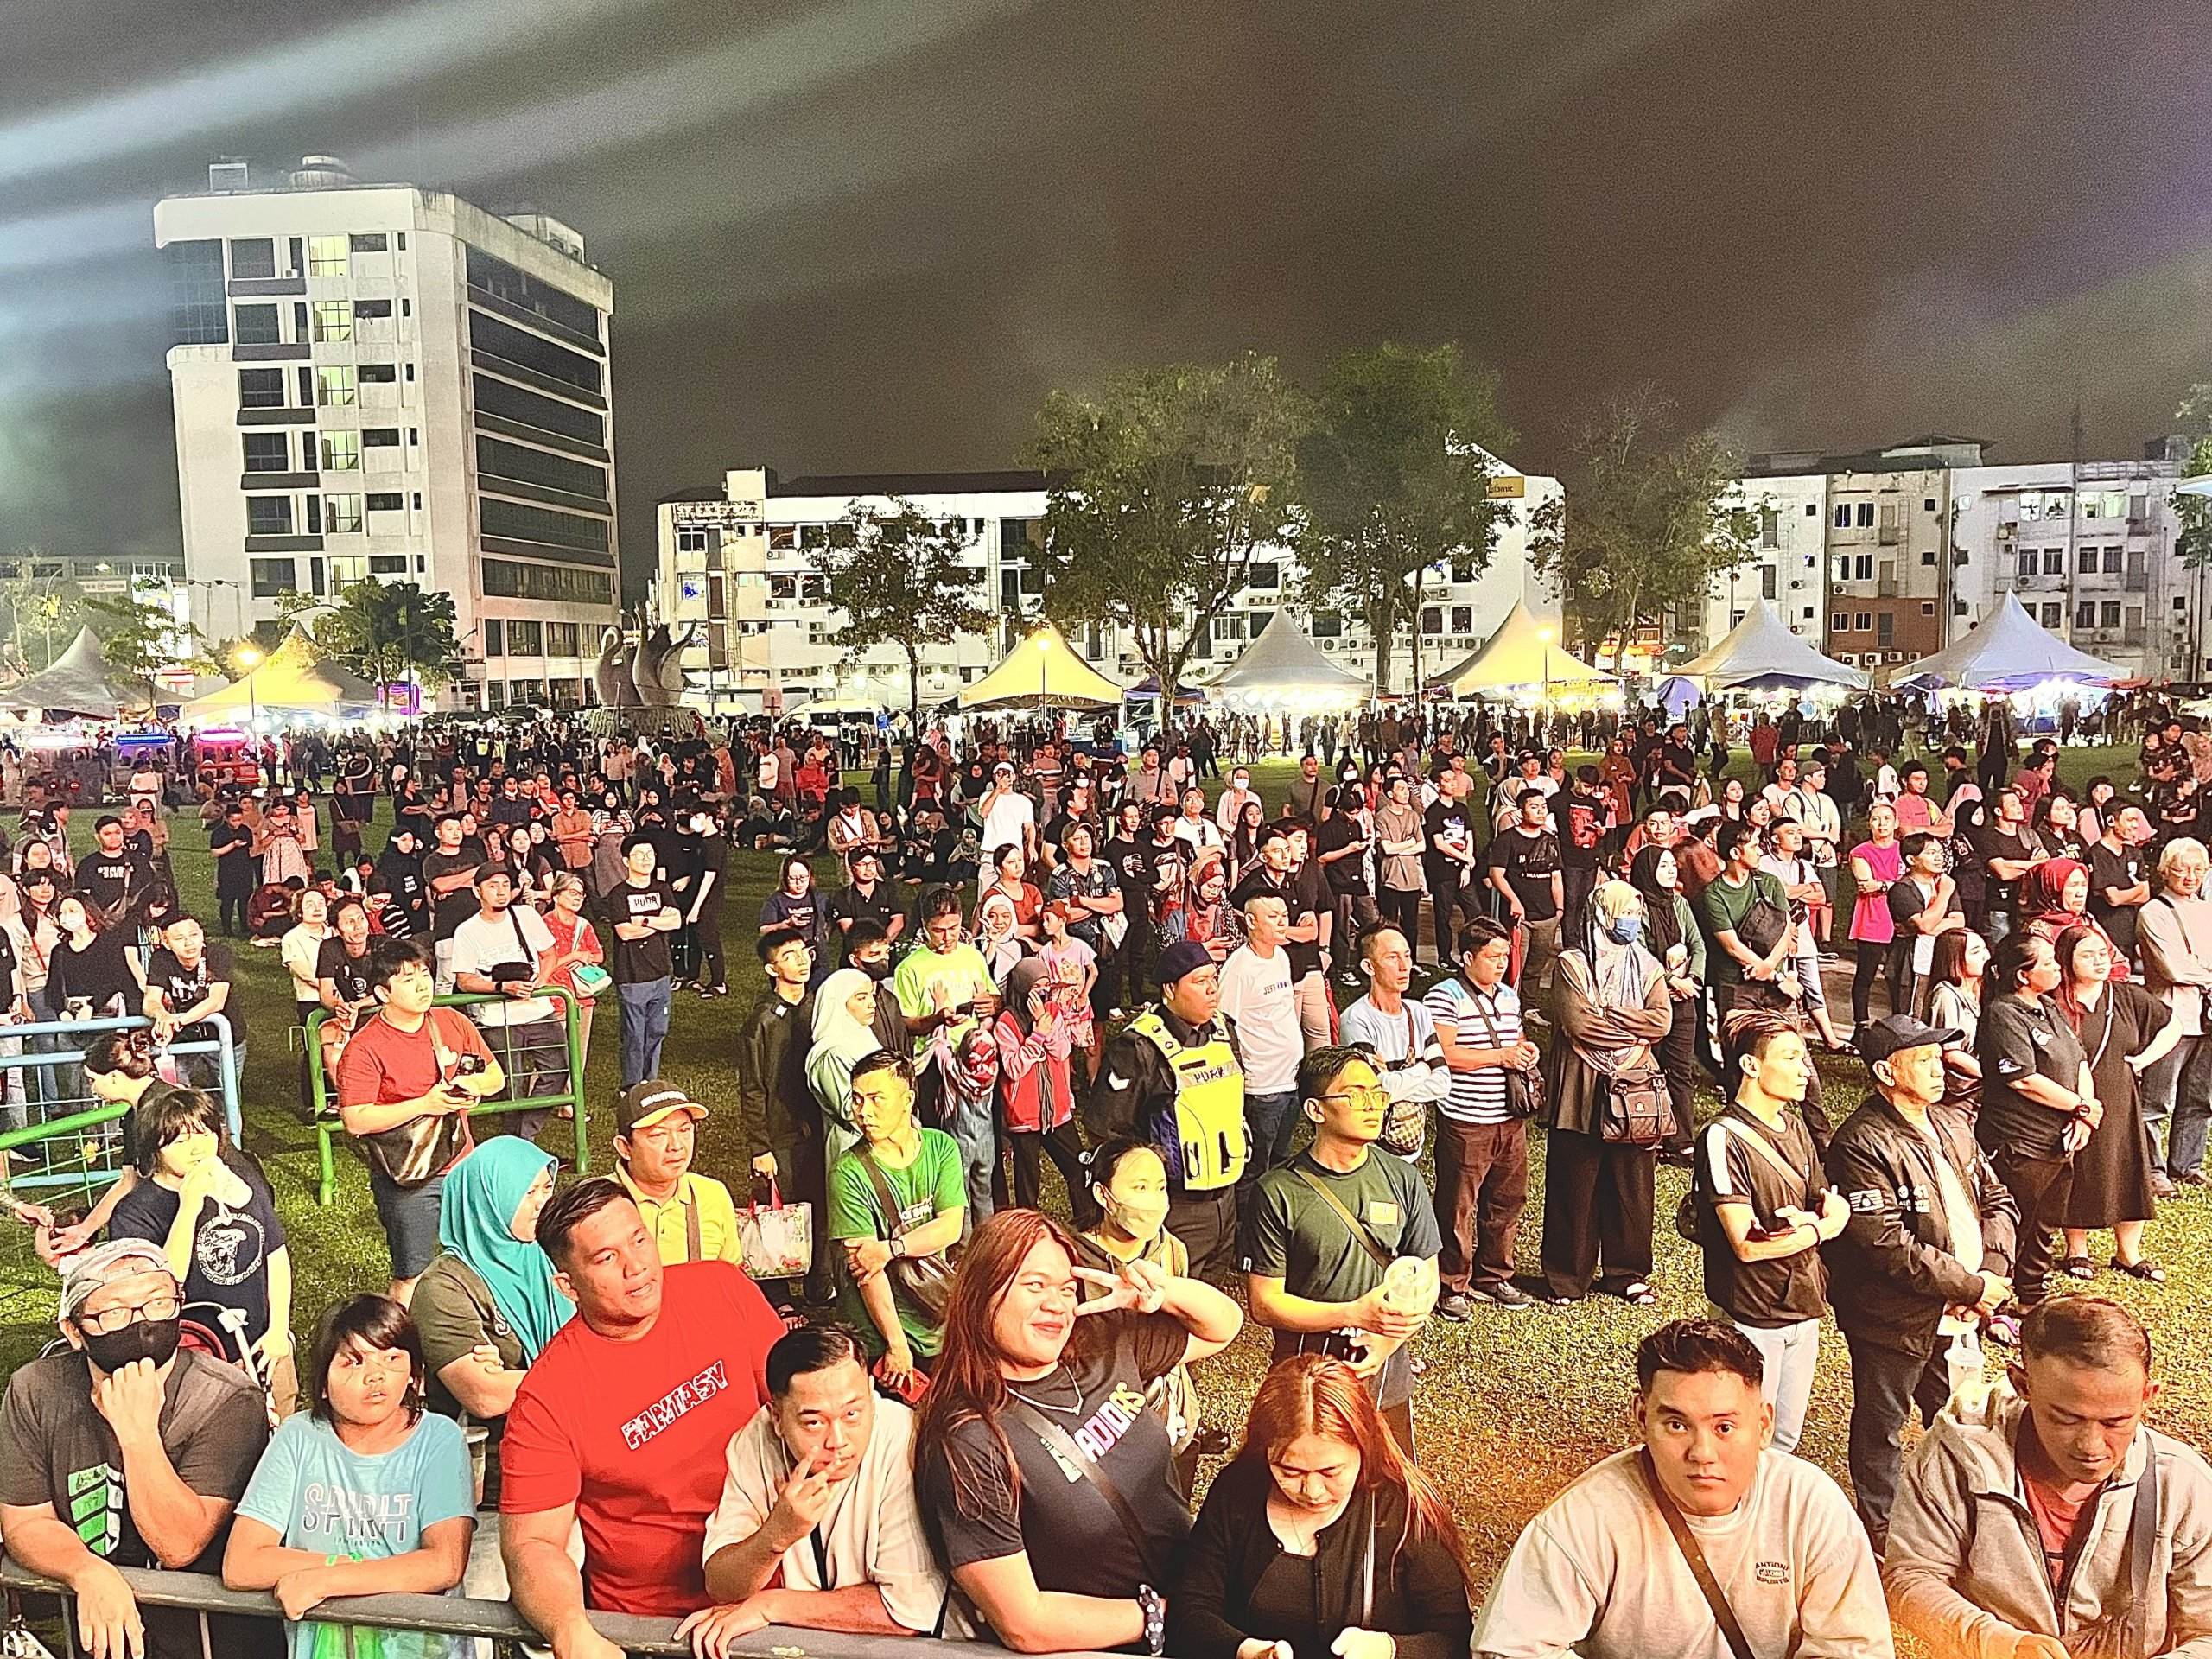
x=1208, y=1104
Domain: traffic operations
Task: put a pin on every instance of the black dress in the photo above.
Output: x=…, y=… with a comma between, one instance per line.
x=2112, y=1171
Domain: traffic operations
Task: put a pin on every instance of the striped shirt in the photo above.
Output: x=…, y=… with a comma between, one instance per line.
x=1476, y=1019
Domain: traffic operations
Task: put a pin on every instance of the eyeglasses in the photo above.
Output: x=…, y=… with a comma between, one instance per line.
x=1372, y=1095
x=108, y=1320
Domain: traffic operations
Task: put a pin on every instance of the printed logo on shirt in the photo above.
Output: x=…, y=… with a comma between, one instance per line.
x=363, y=1519
x=96, y=1508
x=1771, y=1572
x=229, y=1248
x=1867, y=1201
x=1103, y=1429
x=683, y=1398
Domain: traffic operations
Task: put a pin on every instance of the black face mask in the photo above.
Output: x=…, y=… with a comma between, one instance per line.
x=154, y=1339
x=878, y=971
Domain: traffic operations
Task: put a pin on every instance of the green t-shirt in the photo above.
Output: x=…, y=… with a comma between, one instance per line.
x=919, y=971
x=1721, y=906
x=924, y=1189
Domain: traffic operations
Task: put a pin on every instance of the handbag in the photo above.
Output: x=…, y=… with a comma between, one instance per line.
x=1634, y=1108
x=589, y=979
x=1524, y=1087
x=775, y=1242
x=923, y=1282
x=1405, y=1122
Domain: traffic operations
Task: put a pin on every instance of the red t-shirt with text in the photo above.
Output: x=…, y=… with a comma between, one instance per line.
x=635, y=1434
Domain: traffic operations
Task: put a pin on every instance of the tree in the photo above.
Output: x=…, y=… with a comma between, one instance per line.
x=42, y=612
x=896, y=572
x=138, y=635
x=1163, y=486
x=1649, y=526
x=1394, y=479
x=2195, y=512
x=393, y=631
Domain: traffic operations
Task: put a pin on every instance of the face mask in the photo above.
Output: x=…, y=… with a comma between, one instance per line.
x=1622, y=930
x=1141, y=1219
x=154, y=1339
x=875, y=970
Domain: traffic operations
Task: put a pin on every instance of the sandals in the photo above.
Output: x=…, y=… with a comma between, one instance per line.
x=2142, y=1267
x=1640, y=1294
x=2079, y=1266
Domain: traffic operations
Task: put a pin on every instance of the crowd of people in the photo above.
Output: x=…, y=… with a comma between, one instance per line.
x=945, y=1411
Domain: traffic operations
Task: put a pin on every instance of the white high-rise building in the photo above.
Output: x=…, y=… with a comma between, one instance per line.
x=386, y=382
x=742, y=562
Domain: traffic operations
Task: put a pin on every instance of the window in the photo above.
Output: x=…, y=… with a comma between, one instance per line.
x=1928, y=555
x=268, y=452
x=525, y=639
x=200, y=312
x=518, y=523
x=380, y=437
x=387, y=501
x=1866, y=515
x=513, y=404
x=387, y=564
x=1928, y=608
x=327, y=256
x=269, y=515
x=1840, y=623
x=2054, y=562
x=503, y=281
x=336, y=387
x=1862, y=568
x=346, y=571
x=563, y=638
x=378, y=374
x=261, y=388
x=333, y=322
x=1463, y=619
x=1266, y=574
x=341, y=514
x=2108, y=615
x=341, y=452
x=307, y=386
x=563, y=584
x=1812, y=508
x=1432, y=619
x=1886, y=630
x=256, y=325
x=1843, y=515
x=314, y=528
x=1767, y=582
x=534, y=352
x=2112, y=560
x=2087, y=561
x=2104, y=503
x=253, y=256
x=2027, y=562
x=495, y=642
x=365, y=308
x=1865, y=620
x=1325, y=625
x=367, y=242
x=691, y=541
x=2053, y=615
x=2085, y=615
x=1927, y=504
x=1770, y=527
x=273, y=578
x=497, y=458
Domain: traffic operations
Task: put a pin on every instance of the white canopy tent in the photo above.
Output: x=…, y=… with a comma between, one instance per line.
x=1760, y=653
x=2009, y=652
x=1283, y=667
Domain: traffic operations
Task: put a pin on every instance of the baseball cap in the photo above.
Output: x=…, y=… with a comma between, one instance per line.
x=644, y=1104
x=491, y=868
x=97, y=1266
x=1184, y=956
x=1894, y=1033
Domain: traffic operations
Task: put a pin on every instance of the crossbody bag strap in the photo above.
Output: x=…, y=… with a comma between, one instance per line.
x=1732, y=1631
x=691, y=1242
x=1360, y=1230
x=891, y=1217
x=2142, y=1539
x=1765, y=1148
x=1063, y=1445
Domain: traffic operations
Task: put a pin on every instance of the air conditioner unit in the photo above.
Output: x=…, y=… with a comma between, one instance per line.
x=2006, y=532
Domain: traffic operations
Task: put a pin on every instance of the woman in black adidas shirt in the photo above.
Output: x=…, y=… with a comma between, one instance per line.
x=1047, y=1485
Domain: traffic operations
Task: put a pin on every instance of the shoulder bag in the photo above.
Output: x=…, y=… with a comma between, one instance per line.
x=1405, y=1122
x=1524, y=1089
x=1732, y=1630
x=924, y=1282
x=1686, y=1212
x=1634, y=1109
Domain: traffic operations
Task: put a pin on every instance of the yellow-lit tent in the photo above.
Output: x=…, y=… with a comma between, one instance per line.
x=1523, y=652
x=1042, y=672
x=294, y=679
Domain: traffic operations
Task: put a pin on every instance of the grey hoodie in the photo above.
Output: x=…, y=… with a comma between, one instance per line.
x=1964, y=1571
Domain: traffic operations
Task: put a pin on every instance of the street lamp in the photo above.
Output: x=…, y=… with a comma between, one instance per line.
x=1543, y=704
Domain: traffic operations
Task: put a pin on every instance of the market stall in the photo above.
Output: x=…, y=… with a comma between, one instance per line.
x=1761, y=654
x=1042, y=672
x=1523, y=661
x=296, y=681
x=1284, y=669
x=79, y=682
x=2010, y=652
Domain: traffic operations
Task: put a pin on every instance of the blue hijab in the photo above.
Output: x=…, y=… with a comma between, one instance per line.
x=482, y=1192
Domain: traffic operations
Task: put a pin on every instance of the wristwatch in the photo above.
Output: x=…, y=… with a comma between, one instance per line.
x=1154, y=1608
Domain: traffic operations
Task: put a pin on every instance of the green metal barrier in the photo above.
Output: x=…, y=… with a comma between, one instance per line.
x=500, y=1041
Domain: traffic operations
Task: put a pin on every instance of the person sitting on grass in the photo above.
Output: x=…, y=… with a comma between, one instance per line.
x=366, y=1495
x=1609, y=1569
x=818, y=1527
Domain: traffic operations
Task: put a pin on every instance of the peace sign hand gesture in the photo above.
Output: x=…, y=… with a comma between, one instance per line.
x=1139, y=1285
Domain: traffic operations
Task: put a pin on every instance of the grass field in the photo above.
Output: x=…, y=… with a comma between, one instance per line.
x=1511, y=1404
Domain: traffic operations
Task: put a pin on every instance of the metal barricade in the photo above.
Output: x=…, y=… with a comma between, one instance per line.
x=69, y=1148
x=501, y=1040
x=497, y=1621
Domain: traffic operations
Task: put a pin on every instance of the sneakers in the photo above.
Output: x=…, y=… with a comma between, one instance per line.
x=1455, y=1306
x=1507, y=1295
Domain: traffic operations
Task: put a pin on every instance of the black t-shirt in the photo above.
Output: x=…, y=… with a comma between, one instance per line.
x=2108, y=868
x=1682, y=761
x=230, y=1248
x=2018, y=1040
x=107, y=879
x=1446, y=820
x=849, y=903
x=1174, y=858
x=1132, y=867
x=638, y=961
x=348, y=972
x=181, y=987
x=1998, y=843
x=232, y=847
x=1348, y=874
x=1074, y=1538
x=97, y=973
x=1529, y=862
x=449, y=912
x=1774, y=1293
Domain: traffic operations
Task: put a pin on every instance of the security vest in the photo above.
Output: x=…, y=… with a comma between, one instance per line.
x=1208, y=1104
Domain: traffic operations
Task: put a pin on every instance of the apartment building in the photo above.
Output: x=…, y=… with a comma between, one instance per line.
x=1788, y=559
x=740, y=562
x=386, y=382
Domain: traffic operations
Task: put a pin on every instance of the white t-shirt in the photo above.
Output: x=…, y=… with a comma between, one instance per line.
x=872, y=1533
x=1255, y=992
x=480, y=943
x=1004, y=825
x=1597, y=1573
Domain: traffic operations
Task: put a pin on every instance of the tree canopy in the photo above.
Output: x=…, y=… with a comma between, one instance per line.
x=898, y=574
x=389, y=631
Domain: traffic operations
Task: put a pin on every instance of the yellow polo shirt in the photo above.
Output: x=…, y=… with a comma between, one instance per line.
x=696, y=1196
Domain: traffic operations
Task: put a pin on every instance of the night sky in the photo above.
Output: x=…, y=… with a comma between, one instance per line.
x=870, y=234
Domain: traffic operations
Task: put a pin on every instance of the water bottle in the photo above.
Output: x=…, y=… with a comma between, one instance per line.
x=1402, y=1281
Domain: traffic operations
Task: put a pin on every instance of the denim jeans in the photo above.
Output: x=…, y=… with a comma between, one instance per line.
x=1270, y=1122
x=975, y=1129
x=644, y=1028
x=1790, y=1353
x=2179, y=1089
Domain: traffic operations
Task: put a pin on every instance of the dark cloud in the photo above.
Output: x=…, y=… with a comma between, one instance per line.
x=868, y=234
